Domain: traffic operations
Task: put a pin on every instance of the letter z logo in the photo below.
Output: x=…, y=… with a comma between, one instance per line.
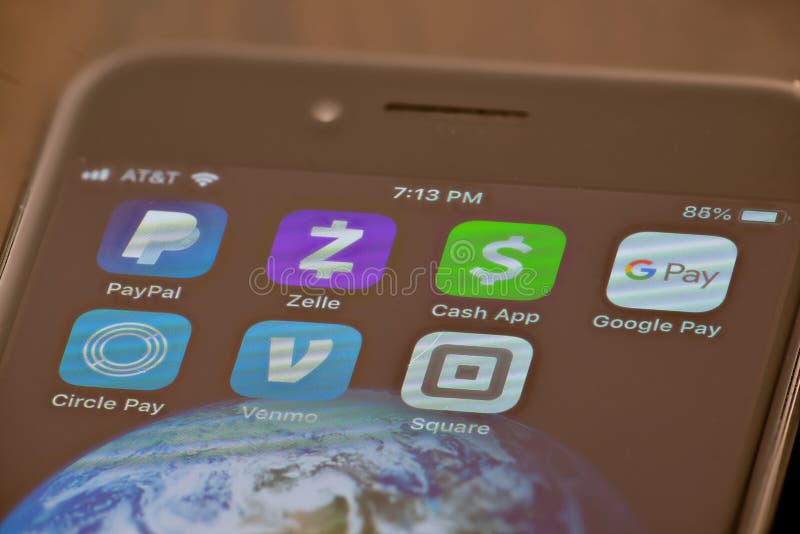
x=291, y=360
x=343, y=237
x=343, y=250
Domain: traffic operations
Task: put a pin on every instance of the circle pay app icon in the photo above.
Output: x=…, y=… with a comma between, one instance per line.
x=672, y=272
x=125, y=349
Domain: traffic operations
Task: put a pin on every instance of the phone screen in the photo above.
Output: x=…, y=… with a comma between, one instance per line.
x=230, y=349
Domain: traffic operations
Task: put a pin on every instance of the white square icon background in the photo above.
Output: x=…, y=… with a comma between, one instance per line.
x=672, y=272
x=466, y=372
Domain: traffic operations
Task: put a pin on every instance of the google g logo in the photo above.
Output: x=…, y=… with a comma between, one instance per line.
x=641, y=273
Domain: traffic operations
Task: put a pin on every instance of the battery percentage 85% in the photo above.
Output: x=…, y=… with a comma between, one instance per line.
x=707, y=213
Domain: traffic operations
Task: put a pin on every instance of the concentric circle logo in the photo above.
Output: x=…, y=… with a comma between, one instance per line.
x=642, y=273
x=125, y=349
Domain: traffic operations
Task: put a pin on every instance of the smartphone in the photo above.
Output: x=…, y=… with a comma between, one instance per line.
x=286, y=292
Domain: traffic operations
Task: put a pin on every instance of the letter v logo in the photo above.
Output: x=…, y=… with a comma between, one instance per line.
x=295, y=360
x=281, y=355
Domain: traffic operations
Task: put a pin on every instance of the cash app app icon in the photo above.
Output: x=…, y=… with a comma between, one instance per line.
x=501, y=260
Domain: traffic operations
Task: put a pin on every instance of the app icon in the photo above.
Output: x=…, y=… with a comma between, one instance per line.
x=465, y=372
x=291, y=360
x=672, y=272
x=162, y=238
x=343, y=250
x=123, y=349
x=501, y=260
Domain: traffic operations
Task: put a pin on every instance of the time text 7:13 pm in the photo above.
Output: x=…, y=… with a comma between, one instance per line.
x=453, y=196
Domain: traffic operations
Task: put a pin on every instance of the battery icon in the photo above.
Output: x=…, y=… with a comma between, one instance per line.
x=762, y=216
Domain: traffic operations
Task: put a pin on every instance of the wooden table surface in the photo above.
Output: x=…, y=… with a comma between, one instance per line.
x=43, y=43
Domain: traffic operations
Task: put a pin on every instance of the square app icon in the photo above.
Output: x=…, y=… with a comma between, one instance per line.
x=124, y=349
x=292, y=360
x=162, y=238
x=465, y=372
x=672, y=272
x=501, y=260
x=336, y=249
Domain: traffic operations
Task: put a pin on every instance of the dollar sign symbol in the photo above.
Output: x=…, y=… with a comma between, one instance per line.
x=513, y=267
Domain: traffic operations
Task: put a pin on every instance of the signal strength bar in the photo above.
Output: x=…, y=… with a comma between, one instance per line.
x=96, y=175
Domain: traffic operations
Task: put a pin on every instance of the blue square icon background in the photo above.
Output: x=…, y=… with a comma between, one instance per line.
x=300, y=376
x=124, y=349
x=162, y=238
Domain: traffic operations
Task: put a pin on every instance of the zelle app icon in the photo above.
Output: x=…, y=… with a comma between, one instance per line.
x=291, y=360
x=343, y=250
x=465, y=372
x=162, y=238
x=672, y=272
x=125, y=349
x=501, y=260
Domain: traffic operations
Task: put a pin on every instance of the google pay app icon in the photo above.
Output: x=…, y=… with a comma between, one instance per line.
x=672, y=272
x=162, y=238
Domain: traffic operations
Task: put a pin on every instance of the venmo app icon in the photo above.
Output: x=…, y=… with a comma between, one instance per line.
x=294, y=360
x=672, y=272
x=162, y=238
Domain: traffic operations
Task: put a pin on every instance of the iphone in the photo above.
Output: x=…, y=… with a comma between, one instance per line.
x=288, y=292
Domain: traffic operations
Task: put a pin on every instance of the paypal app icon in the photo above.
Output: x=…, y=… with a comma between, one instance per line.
x=162, y=238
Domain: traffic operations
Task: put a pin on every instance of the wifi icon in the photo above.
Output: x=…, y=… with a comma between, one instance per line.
x=204, y=179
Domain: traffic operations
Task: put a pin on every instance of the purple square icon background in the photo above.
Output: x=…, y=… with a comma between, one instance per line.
x=294, y=242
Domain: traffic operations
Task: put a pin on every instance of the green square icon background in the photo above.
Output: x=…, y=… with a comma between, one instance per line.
x=501, y=260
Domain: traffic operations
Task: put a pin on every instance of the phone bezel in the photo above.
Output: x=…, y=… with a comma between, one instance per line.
x=186, y=106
